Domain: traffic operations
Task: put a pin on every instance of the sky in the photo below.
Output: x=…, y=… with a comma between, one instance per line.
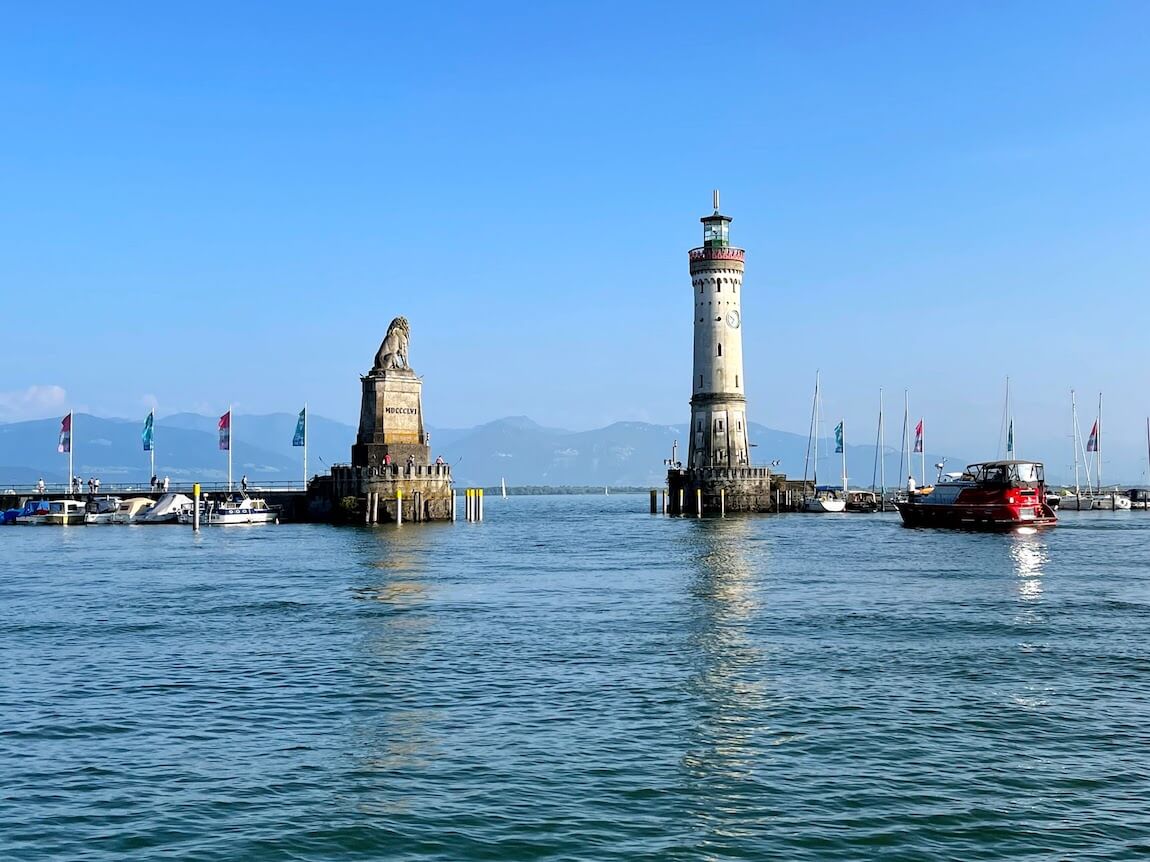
x=227, y=203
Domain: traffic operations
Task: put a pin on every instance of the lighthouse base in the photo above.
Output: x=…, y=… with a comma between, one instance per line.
x=716, y=490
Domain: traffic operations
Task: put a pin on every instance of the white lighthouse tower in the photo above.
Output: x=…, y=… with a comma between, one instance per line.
x=718, y=403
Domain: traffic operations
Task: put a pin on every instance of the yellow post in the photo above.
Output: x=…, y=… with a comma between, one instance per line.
x=398, y=506
x=698, y=502
x=196, y=506
x=480, y=503
x=722, y=502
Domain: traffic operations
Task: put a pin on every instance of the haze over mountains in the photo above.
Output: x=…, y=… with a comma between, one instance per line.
x=515, y=449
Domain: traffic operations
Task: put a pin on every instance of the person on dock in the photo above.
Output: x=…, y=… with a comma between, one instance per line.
x=91, y=485
x=911, y=487
x=167, y=482
x=96, y=484
x=40, y=486
x=155, y=479
x=244, y=483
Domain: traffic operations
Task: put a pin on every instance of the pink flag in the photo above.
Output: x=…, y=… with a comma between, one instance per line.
x=226, y=431
x=1092, y=443
x=918, y=436
x=65, y=444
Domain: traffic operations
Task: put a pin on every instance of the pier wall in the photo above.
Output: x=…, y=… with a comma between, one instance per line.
x=731, y=489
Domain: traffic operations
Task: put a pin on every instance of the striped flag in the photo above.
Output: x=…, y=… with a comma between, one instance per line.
x=65, y=444
x=839, y=438
x=1091, y=444
x=918, y=436
x=225, y=427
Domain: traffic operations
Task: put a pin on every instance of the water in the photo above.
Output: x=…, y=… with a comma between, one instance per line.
x=576, y=680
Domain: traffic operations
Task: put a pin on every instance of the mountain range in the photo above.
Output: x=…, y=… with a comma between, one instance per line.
x=514, y=449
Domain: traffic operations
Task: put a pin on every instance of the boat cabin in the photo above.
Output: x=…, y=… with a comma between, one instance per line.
x=1006, y=474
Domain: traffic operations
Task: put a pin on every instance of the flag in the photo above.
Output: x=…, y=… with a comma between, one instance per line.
x=225, y=427
x=1010, y=438
x=918, y=436
x=65, y=444
x=1091, y=444
x=149, y=436
x=300, y=436
x=839, y=438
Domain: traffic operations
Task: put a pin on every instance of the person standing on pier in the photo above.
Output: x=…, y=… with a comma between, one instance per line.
x=40, y=486
x=244, y=483
x=167, y=482
x=911, y=487
x=96, y=484
x=155, y=479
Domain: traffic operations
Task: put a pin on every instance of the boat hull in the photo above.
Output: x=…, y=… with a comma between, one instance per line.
x=973, y=517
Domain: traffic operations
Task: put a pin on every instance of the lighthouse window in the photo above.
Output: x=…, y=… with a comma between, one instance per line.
x=736, y=381
x=700, y=428
x=720, y=350
x=700, y=381
x=719, y=426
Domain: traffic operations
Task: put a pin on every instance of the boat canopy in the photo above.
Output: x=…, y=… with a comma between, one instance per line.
x=1007, y=472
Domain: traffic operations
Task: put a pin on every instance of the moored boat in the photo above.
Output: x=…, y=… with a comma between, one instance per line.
x=65, y=513
x=101, y=510
x=130, y=510
x=166, y=510
x=242, y=509
x=994, y=495
x=33, y=513
x=862, y=501
x=825, y=500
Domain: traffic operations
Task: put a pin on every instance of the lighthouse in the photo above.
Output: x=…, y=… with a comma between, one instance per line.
x=718, y=477
x=718, y=400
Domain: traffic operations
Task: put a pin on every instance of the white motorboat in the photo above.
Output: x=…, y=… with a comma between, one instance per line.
x=826, y=500
x=65, y=513
x=166, y=510
x=241, y=509
x=1112, y=501
x=130, y=510
x=101, y=511
x=1078, y=502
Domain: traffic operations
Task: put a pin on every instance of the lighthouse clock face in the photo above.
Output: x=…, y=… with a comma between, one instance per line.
x=733, y=319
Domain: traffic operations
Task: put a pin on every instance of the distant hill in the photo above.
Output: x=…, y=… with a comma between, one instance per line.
x=515, y=449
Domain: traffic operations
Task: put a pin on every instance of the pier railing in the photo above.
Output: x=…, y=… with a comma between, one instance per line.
x=118, y=489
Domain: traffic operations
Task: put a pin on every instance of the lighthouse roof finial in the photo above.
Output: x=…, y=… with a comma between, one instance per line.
x=715, y=196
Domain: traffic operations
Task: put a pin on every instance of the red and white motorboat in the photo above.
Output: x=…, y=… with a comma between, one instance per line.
x=995, y=495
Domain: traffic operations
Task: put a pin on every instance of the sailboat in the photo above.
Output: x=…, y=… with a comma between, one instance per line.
x=1077, y=501
x=823, y=499
x=503, y=487
x=1115, y=500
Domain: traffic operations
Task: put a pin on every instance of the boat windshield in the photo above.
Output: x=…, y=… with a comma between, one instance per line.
x=1012, y=474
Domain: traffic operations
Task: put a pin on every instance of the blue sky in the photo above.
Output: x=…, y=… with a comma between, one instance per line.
x=228, y=203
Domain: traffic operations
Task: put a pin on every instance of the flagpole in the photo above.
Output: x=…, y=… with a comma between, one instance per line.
x=152, y=442
x=923, y=452
x=305, y=445
x=881, y=455
x=843, y=423
x=71, y=439
x=230, y=438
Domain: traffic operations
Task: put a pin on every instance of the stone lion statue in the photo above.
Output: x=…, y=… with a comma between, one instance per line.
x=393, y=351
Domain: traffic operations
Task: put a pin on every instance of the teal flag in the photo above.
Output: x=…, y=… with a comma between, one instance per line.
x=1010, y=438
x=149, y=435
x=839, y=438
x=300, y=437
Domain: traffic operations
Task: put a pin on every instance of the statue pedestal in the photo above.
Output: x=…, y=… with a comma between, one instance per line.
x=391, y=420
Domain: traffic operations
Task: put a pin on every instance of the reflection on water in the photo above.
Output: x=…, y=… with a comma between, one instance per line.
x=389, y=736
x=728, y=681
x=1030, y=554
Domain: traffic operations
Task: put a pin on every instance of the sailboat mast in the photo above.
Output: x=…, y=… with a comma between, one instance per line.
x=811, y=434
x=816, y=466
x=905, y=435
x=1074, y=420
x=881, y=456
x=1098, y=447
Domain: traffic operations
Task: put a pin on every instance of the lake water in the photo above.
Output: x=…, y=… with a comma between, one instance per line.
x=574, y=679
